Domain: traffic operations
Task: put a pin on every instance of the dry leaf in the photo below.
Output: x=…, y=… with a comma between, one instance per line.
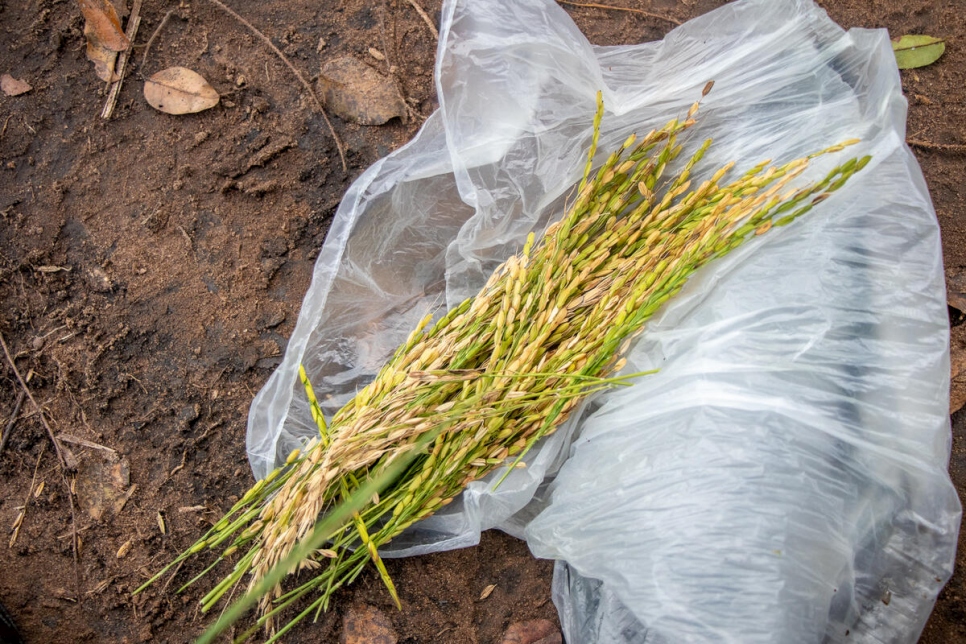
x=102, y=487
x=177, y=90
x=103, y=60
x=102, y=25
x=104, y=35
x=358, y=93
x=534, y=631
x=12, y=86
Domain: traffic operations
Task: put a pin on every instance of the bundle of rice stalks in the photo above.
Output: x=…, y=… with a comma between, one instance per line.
x=476, y=389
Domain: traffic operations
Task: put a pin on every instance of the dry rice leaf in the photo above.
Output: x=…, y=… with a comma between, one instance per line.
x=13, y=86
x=178, y=90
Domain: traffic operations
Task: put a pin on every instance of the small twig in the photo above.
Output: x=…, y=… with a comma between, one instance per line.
x=66, y=462
x=4, y=129
x=184, y=232
x=180, y=466
x=207, y=431
x=308, y=88
x=942, y=147
x=425, y=17
x=69, y=438
x=171, y=578
x=133, y=21
x=390, y=68
x=67, y=535
x=593, y=5
x=74, y=543
x=157, y=30
x=61, y=455
x=225, y=607
x=13, y=419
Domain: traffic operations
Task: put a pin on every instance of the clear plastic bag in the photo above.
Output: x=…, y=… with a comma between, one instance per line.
x=783, y=477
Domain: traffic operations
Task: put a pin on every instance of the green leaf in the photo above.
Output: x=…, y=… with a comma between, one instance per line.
x=917, y=51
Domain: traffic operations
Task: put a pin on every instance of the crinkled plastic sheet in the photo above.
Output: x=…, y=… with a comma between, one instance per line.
x=783, y=477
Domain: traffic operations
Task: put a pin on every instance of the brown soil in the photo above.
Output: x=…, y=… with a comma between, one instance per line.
x=189, y=243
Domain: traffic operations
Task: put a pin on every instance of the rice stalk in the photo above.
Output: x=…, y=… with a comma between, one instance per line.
x=475, y=390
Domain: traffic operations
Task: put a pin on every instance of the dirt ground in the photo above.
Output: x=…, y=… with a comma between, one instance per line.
x=152, y=268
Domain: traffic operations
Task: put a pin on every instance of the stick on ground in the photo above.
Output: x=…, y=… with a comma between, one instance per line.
x=13, y=419
x=74, y=542
x=390, y=68
x=132, y=31
x=157, y=30
x=66, y=462
x=64, y=457
x=308, y=88
x=942, y=147
x=425, y=17
x=70, y=438
x=593, y=5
